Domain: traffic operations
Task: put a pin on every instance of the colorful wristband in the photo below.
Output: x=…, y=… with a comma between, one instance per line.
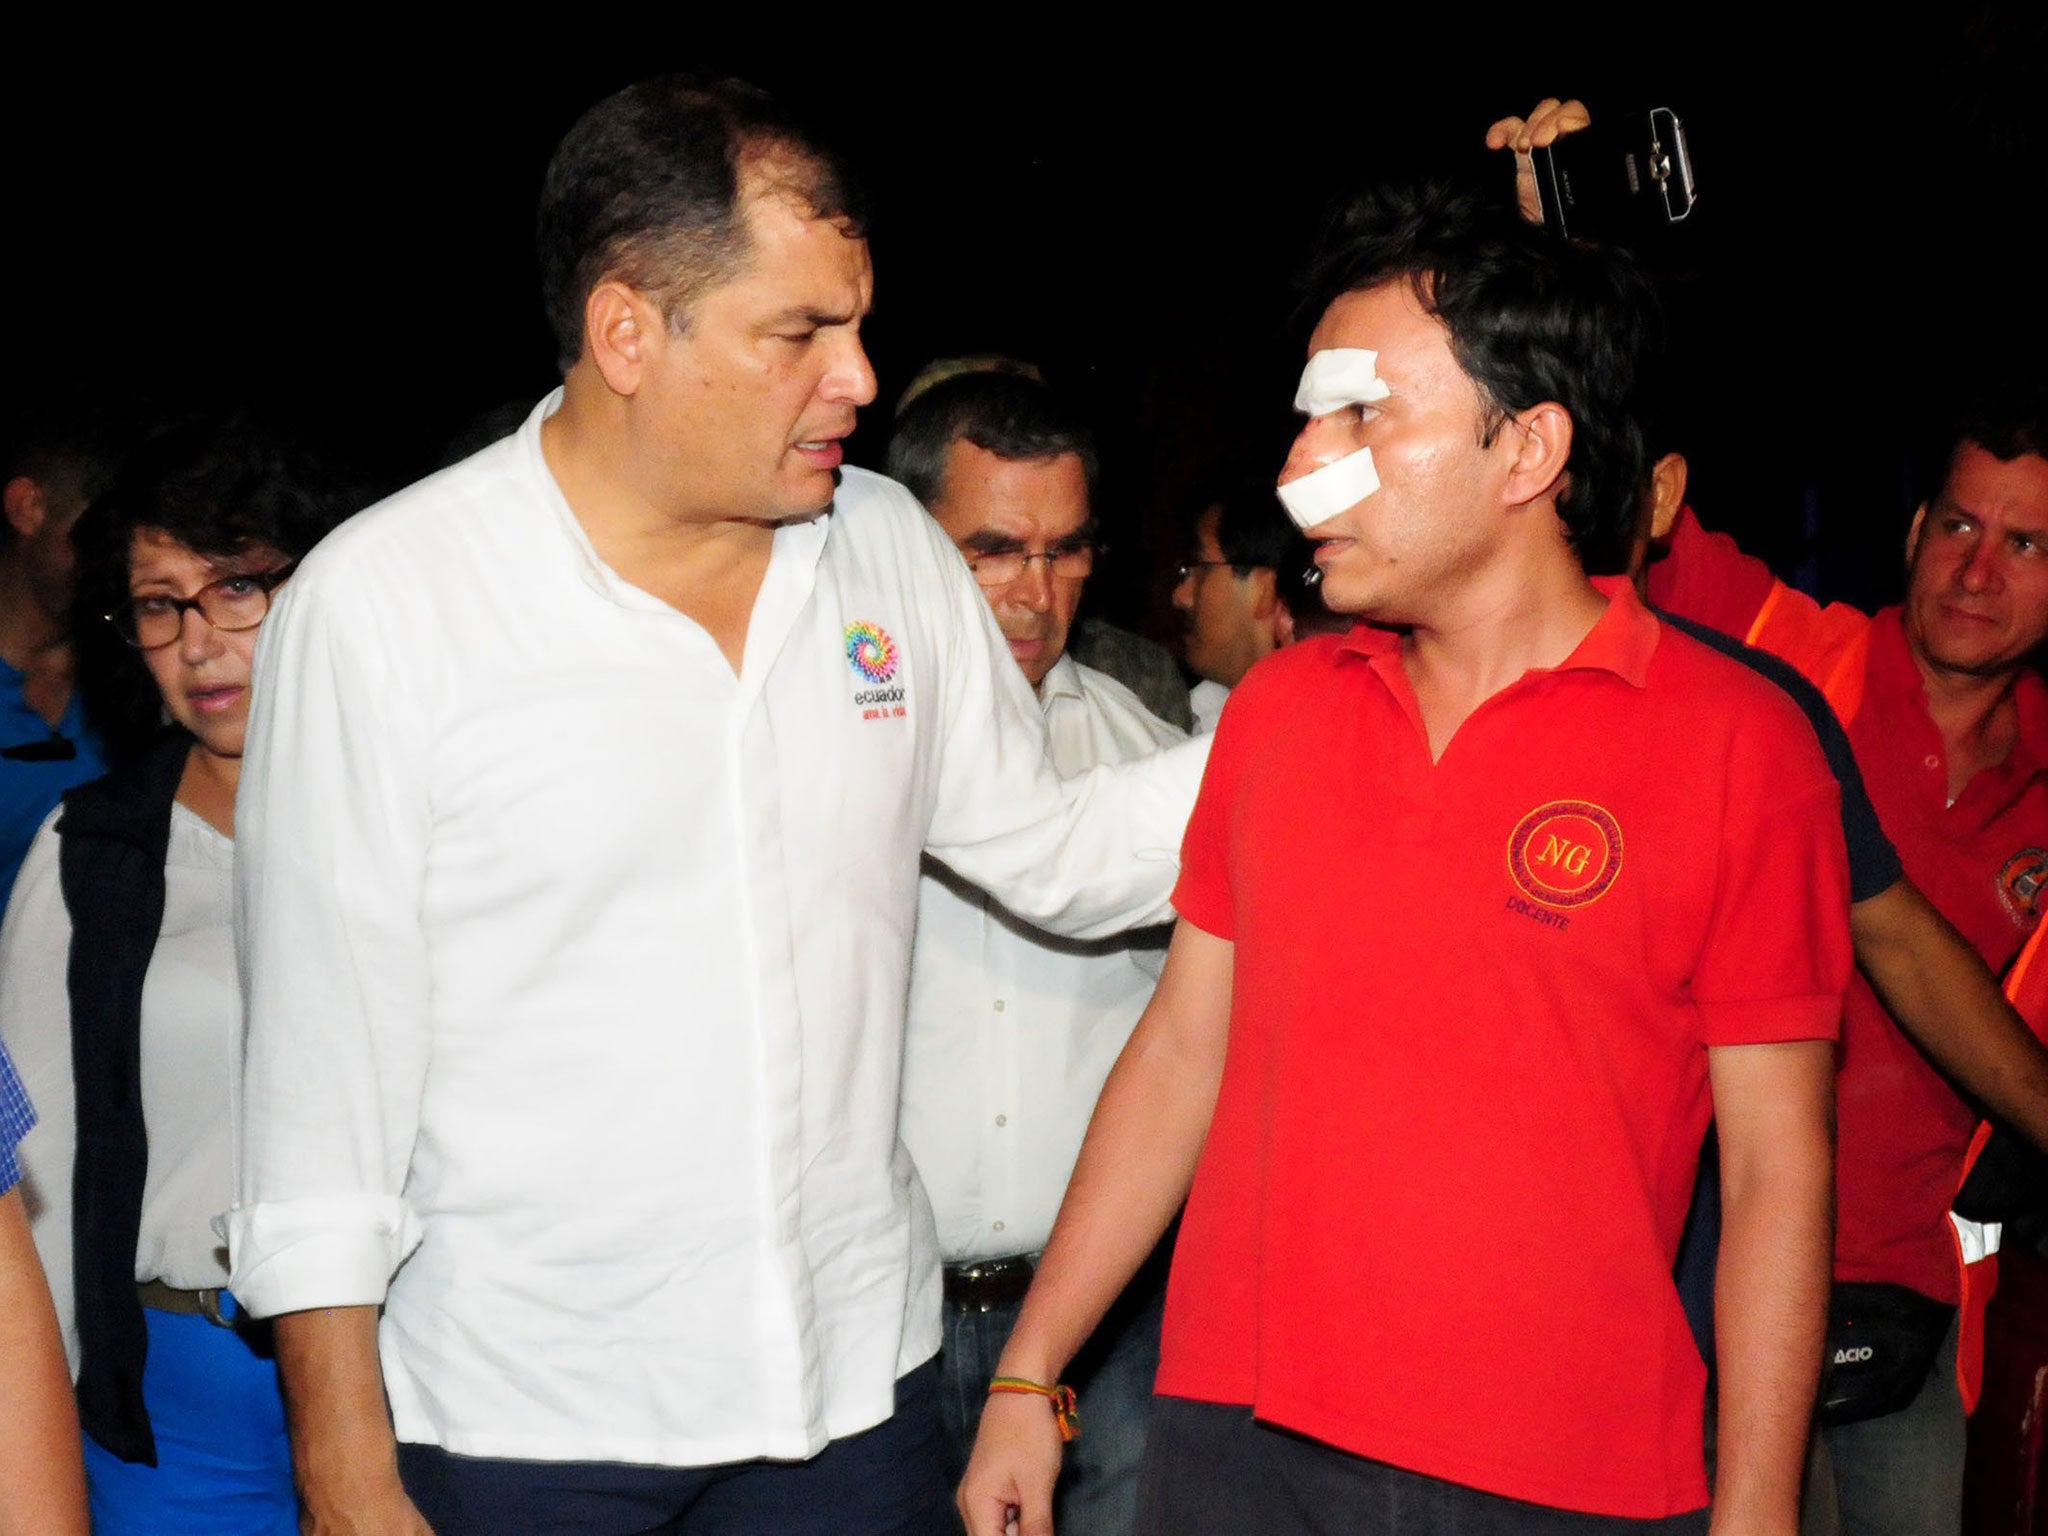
x=1066, y=1409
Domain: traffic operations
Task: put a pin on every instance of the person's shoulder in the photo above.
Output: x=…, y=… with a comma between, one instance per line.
x=1113, y=699
x=873, y=503
x=1731, y=688
x=440, y=515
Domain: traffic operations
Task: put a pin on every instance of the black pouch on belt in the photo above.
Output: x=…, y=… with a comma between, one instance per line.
x=1882, y=1344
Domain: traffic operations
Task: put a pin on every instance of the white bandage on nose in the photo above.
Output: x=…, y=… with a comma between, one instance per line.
x=1339, y=376
x=1338, y=486
x=1335, y=378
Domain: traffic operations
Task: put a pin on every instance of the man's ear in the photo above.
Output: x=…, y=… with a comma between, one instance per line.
x=1667, y=494
x=622, y=328
x=1913, y=535
x=26, y=507
x=1283, y=621
x=1543, y=445
x=1265, y=585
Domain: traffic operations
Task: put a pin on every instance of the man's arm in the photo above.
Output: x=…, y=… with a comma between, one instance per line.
x=343, y=1456
x=1774, y=1107
x=1133, y=1173
x=42, y=1469
x=331, y=829
x=1085, y=857
x=1943, y=996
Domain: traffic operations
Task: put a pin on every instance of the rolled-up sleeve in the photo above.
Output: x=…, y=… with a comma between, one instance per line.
x=331, y=833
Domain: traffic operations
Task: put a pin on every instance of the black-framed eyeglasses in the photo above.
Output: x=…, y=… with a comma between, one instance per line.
x=998, y=568
x=236, y=602
x=1188, y=568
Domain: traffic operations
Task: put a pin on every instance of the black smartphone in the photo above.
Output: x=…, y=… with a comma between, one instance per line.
x=1621, y=179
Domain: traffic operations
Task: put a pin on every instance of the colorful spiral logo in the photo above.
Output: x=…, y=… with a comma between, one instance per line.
x=871, y=651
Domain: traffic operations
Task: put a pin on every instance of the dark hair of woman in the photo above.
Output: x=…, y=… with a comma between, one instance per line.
x=221, y=485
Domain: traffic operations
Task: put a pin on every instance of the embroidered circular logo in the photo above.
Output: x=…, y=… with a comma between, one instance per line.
x=871, y=651
x=2020, y=882
x=1566, y=853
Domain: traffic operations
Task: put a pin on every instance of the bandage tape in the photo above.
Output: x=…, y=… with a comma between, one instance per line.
x=1338, y=486
x=1339, y=376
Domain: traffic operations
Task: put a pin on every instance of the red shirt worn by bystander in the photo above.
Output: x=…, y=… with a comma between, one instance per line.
x=1902, y=1131
x=1459, y=1122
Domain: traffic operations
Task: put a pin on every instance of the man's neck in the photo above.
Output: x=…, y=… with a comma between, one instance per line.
x=1978, y=717
x=1508, y=621
x=34, y=642
x=707, y=568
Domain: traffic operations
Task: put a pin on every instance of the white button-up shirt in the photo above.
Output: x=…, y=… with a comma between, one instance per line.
x=576, y=963
x=1012, y=1029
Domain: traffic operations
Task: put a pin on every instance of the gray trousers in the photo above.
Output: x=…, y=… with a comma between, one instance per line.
x=1899, y=1475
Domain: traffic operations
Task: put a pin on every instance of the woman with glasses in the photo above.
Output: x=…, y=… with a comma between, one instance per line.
x=118, y=992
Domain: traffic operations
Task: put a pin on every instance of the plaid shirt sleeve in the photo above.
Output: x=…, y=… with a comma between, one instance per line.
x=17, y=1119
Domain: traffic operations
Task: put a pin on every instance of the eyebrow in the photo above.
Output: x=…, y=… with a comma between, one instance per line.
x=800, y=315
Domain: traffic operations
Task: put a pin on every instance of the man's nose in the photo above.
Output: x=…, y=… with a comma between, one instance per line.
x=1184, y=590
x=1980, y=571
x=1321, y=440
x=1033, y=587
x=851, y=379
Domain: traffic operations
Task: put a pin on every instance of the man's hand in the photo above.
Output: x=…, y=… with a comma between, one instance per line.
x=343, y=1453
x=1008, y=1487
x=1548, y=121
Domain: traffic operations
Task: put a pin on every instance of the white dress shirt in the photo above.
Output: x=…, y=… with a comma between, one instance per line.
x=191, y=1021
x=576, y=963
x=1206, y=699
x=1012, y=1029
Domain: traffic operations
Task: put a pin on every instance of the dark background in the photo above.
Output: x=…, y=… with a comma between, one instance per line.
x=341, y=231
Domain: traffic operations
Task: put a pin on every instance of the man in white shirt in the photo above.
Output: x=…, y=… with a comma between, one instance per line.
x=577, y=853
x=1240, y=593
x=1012, y=1030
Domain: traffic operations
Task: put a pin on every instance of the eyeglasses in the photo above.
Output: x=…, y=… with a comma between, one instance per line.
x=1182, y=572
x=998, y=568
x=230, y=604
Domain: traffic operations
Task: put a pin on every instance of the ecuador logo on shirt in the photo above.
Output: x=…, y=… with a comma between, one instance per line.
x=874, y=657
x=1566, y=853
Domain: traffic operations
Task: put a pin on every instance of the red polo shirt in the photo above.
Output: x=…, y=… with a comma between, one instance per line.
x=1983, y=861
x=1435, y=1218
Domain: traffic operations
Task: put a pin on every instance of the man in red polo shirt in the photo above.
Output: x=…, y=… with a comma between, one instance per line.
x=1486, y=907
x=1949, y=722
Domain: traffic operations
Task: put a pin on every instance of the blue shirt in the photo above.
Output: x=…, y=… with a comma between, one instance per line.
x=37, y=764
x=17, y=1119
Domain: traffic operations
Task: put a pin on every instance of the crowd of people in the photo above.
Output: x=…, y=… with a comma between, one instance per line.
x=658, y=981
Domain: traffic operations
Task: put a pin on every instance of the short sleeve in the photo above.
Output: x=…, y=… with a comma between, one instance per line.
x=1202, y=895
x=1777, y=955
x=17, y=1119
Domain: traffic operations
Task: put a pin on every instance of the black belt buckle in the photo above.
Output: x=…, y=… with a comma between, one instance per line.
x=983, y=1285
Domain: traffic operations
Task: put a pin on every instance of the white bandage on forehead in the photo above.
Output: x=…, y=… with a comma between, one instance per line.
x=1339, y=376
x=1337, y=487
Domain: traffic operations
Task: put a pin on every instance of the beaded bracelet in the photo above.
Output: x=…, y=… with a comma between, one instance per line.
x=1066, y=1408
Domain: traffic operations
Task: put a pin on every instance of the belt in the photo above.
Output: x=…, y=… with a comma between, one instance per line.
x=982, y=1285
x=163, y=1298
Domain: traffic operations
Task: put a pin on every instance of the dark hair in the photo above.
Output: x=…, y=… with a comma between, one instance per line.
x=1253, y=531
x=1007, y=414
x=646, y=188
x=219, y=485
x=2005, y=416
x=69, y=438
x=1531, y=318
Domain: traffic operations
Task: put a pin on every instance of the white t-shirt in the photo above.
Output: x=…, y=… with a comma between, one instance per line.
x=1012, y=1030
x=576, y=963
x=191, y=1022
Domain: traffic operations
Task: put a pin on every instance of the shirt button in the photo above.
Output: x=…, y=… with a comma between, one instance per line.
x=996, y=1226
x=999, y=1005
x=1932, y=762
x=1002, y=1119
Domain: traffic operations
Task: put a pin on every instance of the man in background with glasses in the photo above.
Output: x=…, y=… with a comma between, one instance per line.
x=1011, y=1029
